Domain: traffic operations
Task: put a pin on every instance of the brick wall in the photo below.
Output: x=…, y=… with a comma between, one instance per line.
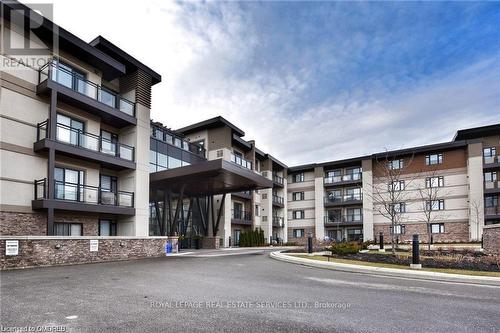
x=491, y=239
x=23, y=224
x=48, y=251
x=454, y=232
x=35, y=224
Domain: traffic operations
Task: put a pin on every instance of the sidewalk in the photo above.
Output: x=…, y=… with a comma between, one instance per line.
x=229, y=251
x=392, y=272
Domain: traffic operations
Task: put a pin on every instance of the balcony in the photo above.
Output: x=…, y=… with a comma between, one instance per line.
x=241, y=217
x=243, y=194
x=77, y=91
x=491, y=187
x=278, y=201
x=347, y=199
x=491, y=162
x=278, y=222
x=350, y=178
x=492, y=213
x=85, y=198
x=238, y=160
x=348, y=219
x=278, y=180
x=79, y=144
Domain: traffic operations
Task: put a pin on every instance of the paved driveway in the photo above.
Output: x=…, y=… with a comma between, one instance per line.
x=238, y=293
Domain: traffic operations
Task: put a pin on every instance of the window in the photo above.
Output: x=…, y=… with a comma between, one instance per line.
x=353, y=214
x=395, y=164
x=434, y=205
x=434, y=159
x=174, y=162
x=108, y=142
x=69, y=184
x=489, y=152
x=490, y=201
x=73, y=79
x=353, y=174
x=299, y=177
x=109, y=188
x=398, y=185
x=334, y=215
x=353, y=193
x=264, y=218
x=298, y=214
x=490, y=176
x=437, y=181
x=399, y=207
x=437, y=228
x=398, y=229
x=107, y=228
x=298, y=233
x=69, y=130
x=264, y=196
x=257, y=210
x=68, y=229
x=334, y=173
x=298, y=196
x=220, y=153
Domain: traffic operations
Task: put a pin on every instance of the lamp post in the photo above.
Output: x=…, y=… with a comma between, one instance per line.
x=381, y=242
x=309, y=244
x=415, y=258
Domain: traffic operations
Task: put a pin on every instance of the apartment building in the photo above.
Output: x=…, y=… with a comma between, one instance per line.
x=263, y=208
x=75, y=129
x=449, y=188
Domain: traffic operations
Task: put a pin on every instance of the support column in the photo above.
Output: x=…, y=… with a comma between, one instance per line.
x=367, y=167
x=52, y=132
x=319, y=205
x=476, y=190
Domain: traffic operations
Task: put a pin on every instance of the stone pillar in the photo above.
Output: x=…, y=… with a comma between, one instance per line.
x=367, y=166
x=476, y=190
x=319, y=206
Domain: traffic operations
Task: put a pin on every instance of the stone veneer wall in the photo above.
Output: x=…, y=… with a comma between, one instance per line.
x=53, y=250
x=454, y=232
x=35, y=224
x=491, y=239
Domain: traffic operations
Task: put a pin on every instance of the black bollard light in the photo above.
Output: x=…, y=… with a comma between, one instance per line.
x=381, y=241
x=415, y=258
x=229, y=241
x=310, y=244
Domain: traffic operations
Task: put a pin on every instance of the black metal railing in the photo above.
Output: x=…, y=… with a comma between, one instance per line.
x=241, y=161
x=491, y=184
x=346, y=218
x=343, y=178
x=491, y=159
x=165, y=135
x=54, y=72
x=343, y=198
x=278, y=221
x=241, y=215
x=277, y=179
x=84, y=194
x=75, y=137
x=278, y=200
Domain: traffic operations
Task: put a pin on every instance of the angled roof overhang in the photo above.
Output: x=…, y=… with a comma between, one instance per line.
x=208, y=178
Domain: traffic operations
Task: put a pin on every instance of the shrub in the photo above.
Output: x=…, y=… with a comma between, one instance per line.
x=345, y=248
x=252, y=238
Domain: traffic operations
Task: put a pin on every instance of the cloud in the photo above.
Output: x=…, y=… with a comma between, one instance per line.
x=309, y=81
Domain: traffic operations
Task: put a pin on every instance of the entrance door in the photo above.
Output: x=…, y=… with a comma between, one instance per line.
x=237, y=234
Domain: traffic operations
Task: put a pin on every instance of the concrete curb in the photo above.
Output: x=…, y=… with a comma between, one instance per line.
x=393, y=272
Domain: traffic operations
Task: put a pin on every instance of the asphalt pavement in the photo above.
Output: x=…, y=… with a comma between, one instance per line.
x=237, y=293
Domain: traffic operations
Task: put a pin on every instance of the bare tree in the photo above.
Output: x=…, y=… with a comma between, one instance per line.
x=476, y=211
x=429, y=194
x=390, y=179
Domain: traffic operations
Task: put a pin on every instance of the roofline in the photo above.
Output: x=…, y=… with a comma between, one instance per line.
x=210, y=122
x=475, y=132
x=100, y=40
x=107, y=63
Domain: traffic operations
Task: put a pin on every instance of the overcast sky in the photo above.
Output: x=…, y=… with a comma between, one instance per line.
x=311, y=81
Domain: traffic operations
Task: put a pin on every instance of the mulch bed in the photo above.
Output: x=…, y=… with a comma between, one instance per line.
x=469, y=260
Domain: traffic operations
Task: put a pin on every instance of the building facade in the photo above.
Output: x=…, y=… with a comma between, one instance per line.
x=78, y=151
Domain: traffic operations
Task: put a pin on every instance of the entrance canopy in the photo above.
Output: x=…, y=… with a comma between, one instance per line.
x=208, y=178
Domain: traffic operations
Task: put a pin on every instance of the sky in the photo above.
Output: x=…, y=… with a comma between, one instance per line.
x=311, y=81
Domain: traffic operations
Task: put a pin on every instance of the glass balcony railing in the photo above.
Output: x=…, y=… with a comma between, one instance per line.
x=343, y=198
x=343, y=178
x=68, y=135
x=277, y=179
x=84, y=194
x=346, y=218
x=278, y=200
x=278, y=221
x=76, y=82
x=491, y=184
x=495, y=210
x=491, y=159
x=241, y=161
x=241, y=215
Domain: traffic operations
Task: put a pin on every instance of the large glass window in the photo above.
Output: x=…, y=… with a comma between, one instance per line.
x=107, y=228
x=434, y=159
x=68, y=229
x=395, y=164
x=109, y=188
x=108, y=142
x=69, y=130
x=68, y=184
x=353, y=215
